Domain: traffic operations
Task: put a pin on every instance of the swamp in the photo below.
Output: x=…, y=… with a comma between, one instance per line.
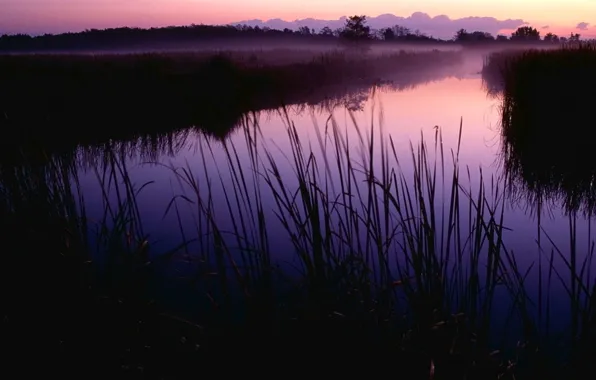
x=426, y=210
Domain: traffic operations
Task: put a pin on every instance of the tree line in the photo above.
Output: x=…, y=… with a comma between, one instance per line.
x=523, y=33
x=355, y=29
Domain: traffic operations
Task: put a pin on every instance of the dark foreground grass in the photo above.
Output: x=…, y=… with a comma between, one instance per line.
x=401, y=262
x=547, y=122
x=92, y=98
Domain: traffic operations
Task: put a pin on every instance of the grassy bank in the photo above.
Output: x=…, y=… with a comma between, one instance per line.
x=112, y=95
x=508, y=64
x=547, y=121
x=395, y=266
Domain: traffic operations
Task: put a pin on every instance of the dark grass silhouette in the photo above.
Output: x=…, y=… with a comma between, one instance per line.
x=547, y=122
x=102, y=317
x=81, y=292
x=61, y=101
x=547, y=151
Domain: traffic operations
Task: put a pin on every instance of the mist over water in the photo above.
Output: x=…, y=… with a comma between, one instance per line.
x=406, y=106
x=407, y=114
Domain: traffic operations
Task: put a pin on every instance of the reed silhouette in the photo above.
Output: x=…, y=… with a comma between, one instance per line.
x=547, y=122
x=381, y=272
x=547, y=152
x=409, y=265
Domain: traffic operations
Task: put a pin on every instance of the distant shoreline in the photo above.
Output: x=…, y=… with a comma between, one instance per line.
x=207, y=37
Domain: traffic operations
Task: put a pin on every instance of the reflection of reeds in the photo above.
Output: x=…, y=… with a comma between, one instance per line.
x=402, y=249
x=362, y=246
x=546, y=121
x=549, y=161
x=78, y=287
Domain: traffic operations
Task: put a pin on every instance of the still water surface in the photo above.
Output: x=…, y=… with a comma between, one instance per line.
x=402, y=114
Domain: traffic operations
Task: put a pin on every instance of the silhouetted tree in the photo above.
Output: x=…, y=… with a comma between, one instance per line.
x=574, y=38
x=123, y=38
x=525, y=33
x=304, y=30
x=326, y=31
x=115, y=38
x=356, y=28
x=388, y=34
x=376, y=34
x=486, y=36
x=461, y=35
x=401, y=31
x=551, y=37
x=502, y=38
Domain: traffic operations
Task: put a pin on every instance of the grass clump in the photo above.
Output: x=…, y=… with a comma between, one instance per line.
x=548, y=161
x=546, y=121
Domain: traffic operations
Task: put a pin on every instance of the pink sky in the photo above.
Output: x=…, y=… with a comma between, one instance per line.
x=38, y=16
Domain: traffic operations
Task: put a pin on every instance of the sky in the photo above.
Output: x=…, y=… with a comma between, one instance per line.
x=55, y=16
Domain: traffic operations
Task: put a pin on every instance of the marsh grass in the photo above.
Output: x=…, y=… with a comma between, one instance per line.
x=397, y=243
x=76, y=289
x=546, y=157
x=395, y=253
x=411, y=247
x=545, y=122
x=88, y=99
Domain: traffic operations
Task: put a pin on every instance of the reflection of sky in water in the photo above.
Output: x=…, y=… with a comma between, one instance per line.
x=405, y=115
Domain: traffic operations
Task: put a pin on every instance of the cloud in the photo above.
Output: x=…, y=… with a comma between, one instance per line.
x=545, y=27
x=439, y=26
x=583, y=25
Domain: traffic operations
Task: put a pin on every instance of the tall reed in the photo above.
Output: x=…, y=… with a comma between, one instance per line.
x=397, y=241
x=407, y=245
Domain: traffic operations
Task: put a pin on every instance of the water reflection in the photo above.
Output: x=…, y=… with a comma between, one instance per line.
x=128, y=121
x=210, y=159
x=406, y=114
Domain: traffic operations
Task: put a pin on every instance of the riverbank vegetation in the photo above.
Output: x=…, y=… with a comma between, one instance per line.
x=546, y=121
x=66, y=100
x=393, y=254
x=321, y=255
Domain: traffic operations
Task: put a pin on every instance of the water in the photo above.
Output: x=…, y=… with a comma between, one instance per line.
x=403, y=114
